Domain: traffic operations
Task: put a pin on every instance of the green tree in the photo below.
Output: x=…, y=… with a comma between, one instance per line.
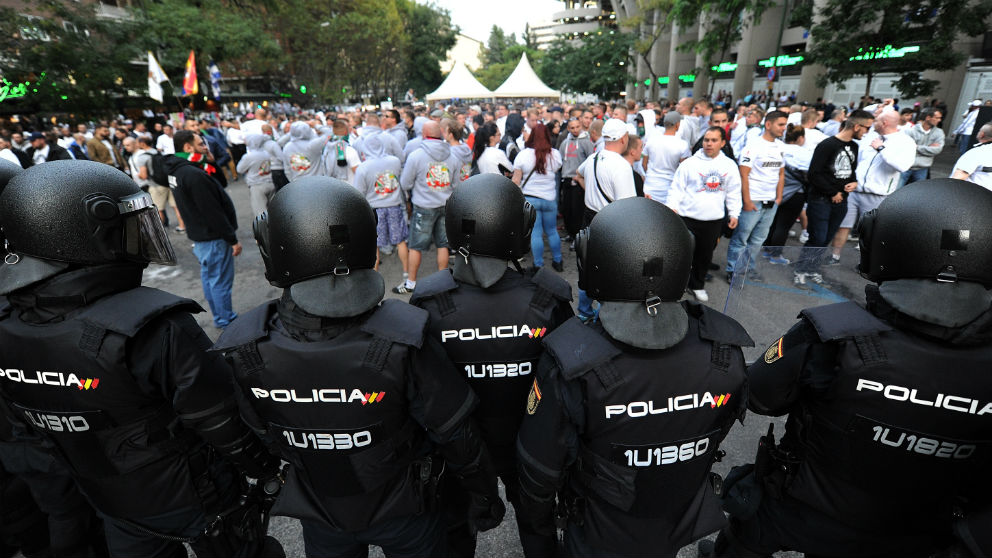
x=723, y=21
x=857, y=37
x=431, y=35
x=495, y=51
x=595, y=64
x=66, y=59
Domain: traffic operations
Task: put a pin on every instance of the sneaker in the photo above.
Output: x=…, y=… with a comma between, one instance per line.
x=804, y=237
x=779, y=260
x=799, y=279
x=557, y=266
x=765, y=254
x=832, y=260
x=402, y=289
x=816, y=278
x=792, y=233
x=853, y=237
x=180, y=230
x=730, y=277
x=700, y=295
x=857, y=247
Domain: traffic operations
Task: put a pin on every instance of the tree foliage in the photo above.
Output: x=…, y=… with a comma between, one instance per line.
x=596, y=64
x=431, y=36
x=859, y=28
x=723, y=21
x=495, y=50
x=66, y=59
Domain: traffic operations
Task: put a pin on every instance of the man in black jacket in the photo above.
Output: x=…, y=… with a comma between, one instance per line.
x=41, y=152
x=211, y=223
x=831, y=177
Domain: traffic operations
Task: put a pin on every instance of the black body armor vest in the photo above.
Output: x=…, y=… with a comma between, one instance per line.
x=337, y=410
x=904, y=426
x=654, y=420
x=494, y=338
x=69, y=381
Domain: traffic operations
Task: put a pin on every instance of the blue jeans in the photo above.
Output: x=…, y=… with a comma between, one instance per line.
x=823, y=219
x=913, y=175
x=547, y=224
x=217, y=276
x=752, y=229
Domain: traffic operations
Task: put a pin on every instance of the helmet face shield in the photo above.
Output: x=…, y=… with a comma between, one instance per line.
x=144, y=237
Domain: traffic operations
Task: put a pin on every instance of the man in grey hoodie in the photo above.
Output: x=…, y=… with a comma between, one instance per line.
x=395, y=127
x=461, y=153
x=302, y=155
x=276, y=167
x=575, y=149
x=418, y=136
x=256, y=167
x=372, y=128
x=378, y=180
x=428, y=175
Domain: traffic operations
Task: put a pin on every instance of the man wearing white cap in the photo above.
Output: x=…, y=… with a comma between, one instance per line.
x=967, y=126
x=606, y=177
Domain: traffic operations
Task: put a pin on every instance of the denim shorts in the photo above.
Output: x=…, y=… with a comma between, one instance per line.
x=427, y=225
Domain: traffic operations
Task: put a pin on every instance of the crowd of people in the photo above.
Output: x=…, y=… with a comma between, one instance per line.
x=743, y=172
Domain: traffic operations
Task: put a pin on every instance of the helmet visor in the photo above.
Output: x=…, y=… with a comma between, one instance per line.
x=145, y=239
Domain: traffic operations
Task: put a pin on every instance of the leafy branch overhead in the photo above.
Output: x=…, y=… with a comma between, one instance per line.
x=855, y=38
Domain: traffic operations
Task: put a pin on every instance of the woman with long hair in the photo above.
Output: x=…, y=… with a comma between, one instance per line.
x=486, y=154
x=534, y=171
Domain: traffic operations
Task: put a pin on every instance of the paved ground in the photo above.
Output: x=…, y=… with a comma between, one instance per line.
x=766, y=308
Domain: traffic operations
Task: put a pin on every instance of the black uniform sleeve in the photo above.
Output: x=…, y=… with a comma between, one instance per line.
x=774, y=379
x=169, y=357
x=442, y=401
x=546, y=445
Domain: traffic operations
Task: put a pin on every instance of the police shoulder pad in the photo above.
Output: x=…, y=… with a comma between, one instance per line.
x=434, y=284
x=249, y=327
x=842, y=320
x=553, y=283
x=578, y=349
x=398, y=322
x=718, y=327
x=127, y=312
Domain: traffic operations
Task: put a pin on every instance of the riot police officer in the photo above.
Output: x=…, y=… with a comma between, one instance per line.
x=114, y=375
x=490, y=321
x=887, y=437
x=41, y=510
x=348, y=389
x=629, y=413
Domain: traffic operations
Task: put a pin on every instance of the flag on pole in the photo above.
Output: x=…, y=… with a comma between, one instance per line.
x=214, y=79
x=190, y=85
x=155, y=77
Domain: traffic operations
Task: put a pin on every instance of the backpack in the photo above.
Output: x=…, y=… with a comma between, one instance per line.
x=158, y=174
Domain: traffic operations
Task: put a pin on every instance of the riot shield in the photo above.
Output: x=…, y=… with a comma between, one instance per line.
x=766, y=297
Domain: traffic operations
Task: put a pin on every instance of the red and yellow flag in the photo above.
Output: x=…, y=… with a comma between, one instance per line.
x=190, y=85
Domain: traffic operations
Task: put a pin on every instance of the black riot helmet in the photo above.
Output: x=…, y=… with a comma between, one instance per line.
x=7, y=171
x=76, y=212
x=315, y=226
x=487, y=215
x=635, y=250
x=933, y=229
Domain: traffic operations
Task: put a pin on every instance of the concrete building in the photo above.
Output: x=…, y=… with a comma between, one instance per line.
x=579, y=18
x=667, y=72
x=467, y=51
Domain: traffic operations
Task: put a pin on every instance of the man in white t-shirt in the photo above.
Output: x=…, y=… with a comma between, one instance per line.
x=606, y=177
x=254, y=126
x=662, y=155
x=164, y=143
x=762, y=167
x=976, y=163
x=810, y=118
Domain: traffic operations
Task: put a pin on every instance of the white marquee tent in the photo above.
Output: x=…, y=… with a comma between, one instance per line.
x=460, y=84
x=523, y=82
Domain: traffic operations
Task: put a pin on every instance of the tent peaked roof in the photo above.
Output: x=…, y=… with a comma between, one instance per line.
x=523, y=82
x=460, y=84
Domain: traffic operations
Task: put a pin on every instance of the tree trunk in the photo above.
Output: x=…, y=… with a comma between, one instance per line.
x=867, y=88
